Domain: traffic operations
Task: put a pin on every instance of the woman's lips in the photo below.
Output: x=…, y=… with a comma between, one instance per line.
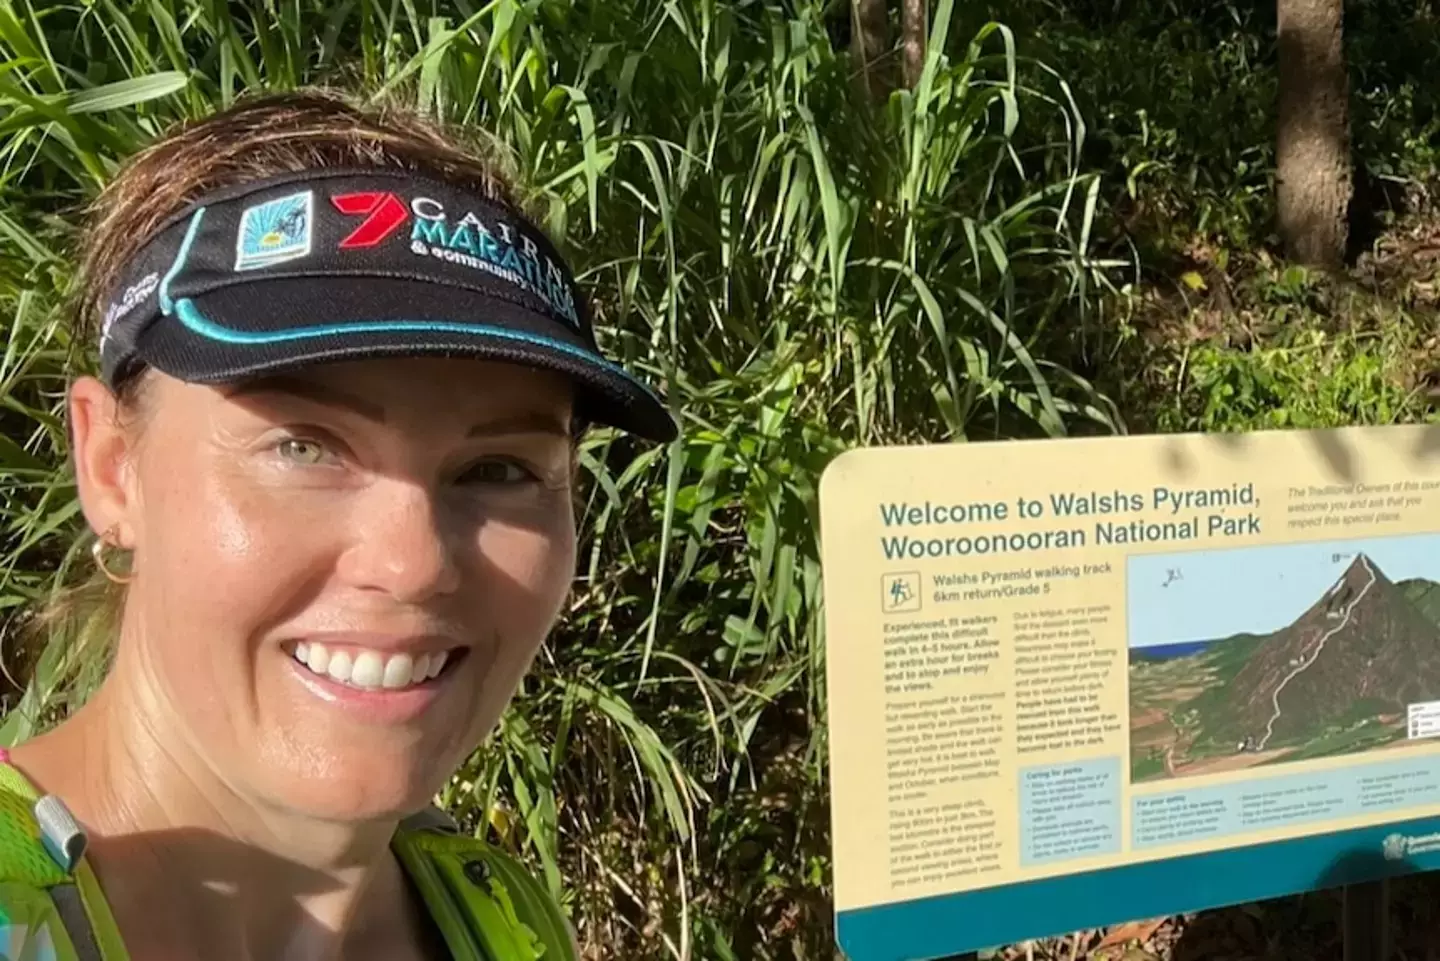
x=377, y=702
x=367, y=669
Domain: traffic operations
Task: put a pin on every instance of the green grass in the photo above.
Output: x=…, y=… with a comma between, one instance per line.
x=802, y=273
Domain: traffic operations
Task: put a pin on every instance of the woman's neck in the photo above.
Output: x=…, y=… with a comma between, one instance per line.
x=236, y=879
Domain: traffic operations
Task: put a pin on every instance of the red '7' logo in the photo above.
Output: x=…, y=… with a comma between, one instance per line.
x=386, y=213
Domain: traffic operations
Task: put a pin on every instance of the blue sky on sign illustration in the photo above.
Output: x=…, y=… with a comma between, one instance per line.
x=1207, y=595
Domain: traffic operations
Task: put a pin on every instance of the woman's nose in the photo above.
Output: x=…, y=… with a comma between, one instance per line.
x=400, y=545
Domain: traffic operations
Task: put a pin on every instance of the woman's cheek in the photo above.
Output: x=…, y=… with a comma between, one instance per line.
x=249, y=525
x=247, y=555
x=538, y=566
x=232, y=530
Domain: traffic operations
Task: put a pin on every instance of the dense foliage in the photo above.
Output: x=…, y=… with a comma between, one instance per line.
x=1080, y=195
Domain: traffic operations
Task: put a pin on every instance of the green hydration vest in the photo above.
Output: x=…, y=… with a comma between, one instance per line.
x=485, y=904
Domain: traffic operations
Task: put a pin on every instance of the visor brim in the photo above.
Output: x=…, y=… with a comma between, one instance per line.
x=250, y=330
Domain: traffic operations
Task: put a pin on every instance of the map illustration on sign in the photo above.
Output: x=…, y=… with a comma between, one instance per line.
x=1269, y=655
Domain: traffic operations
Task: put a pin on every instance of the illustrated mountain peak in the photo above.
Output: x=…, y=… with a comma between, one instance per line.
x=1361, y=569
x=1339, y=677
x=1361, y=640
x=1361, y=578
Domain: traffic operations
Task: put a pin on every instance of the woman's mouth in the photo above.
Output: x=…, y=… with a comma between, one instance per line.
x=369, y=670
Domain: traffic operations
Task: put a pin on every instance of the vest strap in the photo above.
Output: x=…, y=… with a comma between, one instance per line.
x=71, y=909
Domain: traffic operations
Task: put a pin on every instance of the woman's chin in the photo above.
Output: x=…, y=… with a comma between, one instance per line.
x=336, y=774
x=370, y=752
x=366, y=791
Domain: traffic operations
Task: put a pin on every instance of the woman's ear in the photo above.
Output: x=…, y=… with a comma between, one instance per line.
x=104, y=448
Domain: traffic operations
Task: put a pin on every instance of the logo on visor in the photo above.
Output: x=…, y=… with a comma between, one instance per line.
x=495, y=247
x=275, y=232
x=386, y=212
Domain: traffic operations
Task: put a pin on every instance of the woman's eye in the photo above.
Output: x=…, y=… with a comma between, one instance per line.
x=301, y=451
x=496, y=472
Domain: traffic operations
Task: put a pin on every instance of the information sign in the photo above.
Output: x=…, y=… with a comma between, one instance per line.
x=1078, y=682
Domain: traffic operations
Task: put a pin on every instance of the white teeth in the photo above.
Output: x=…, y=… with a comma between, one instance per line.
x=398, y=671
x=339, y=667
x=370, y=670
x=319, y=659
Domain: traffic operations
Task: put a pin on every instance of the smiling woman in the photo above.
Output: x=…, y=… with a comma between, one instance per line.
x=329, y=460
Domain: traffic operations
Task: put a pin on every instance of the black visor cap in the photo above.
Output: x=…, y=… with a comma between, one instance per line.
x=338, y=265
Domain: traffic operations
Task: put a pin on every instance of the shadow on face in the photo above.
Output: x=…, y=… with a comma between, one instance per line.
x=343, y=573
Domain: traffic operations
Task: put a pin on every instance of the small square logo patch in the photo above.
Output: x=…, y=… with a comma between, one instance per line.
x=900, y=593
x=275, y=231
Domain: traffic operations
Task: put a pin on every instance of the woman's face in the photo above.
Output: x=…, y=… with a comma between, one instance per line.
x=342, y=574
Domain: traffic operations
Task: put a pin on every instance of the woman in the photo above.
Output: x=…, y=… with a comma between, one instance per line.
x=342, y=379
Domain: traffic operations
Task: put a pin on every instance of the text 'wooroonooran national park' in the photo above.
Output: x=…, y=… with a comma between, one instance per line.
x=1184, y=514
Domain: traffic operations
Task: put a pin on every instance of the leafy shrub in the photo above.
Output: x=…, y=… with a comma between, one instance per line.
x=802, y=272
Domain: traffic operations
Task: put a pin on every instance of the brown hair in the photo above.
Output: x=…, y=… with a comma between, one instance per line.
x=260, y=136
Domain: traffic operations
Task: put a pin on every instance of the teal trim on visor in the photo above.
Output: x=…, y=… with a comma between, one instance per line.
x=190, y=315
x=938, y=927
x=182, y=255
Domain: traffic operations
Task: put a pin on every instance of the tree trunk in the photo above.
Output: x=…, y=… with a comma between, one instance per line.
x=913, y=27
x=870, y=46
x=1312, y=155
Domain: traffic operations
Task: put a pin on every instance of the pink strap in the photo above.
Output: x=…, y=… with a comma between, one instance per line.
x=4, y=755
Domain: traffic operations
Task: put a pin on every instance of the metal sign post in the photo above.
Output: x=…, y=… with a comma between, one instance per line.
x=1367, y=921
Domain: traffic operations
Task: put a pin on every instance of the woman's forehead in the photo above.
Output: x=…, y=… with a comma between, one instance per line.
x=461, y=374
x=404, y=388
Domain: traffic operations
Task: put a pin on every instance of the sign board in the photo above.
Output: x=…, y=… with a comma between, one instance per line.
x=1078, y=682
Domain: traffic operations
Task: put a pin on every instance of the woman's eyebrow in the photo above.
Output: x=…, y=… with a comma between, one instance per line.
x=310, y=390
x=525, y=422
x=530, y=422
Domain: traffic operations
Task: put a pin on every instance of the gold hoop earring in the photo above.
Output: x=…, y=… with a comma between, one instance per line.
x=97, y=551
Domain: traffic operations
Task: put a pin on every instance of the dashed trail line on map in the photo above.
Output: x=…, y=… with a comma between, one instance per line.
x=1345, y=620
